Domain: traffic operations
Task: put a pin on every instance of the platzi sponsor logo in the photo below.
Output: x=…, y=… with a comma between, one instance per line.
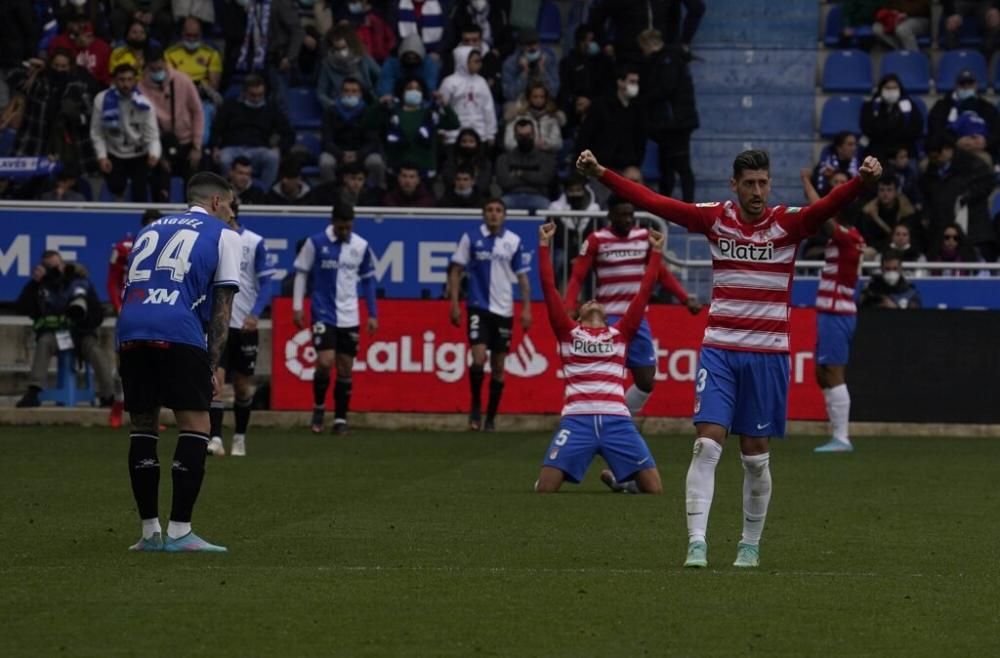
x=758, y=253
x=593, y=348
x=409, y=355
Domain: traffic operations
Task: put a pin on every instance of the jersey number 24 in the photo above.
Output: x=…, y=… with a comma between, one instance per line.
x=174, y=257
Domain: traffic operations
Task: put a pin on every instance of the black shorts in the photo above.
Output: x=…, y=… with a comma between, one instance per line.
x=158, y=374
x=489, y=329
x=342, y=340
x=241, y=351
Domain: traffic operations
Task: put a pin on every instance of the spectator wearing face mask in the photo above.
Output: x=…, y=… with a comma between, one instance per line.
x=91, y=52
x=377, y=36
x=538, y=107
x=525, y=173
x=531, y=62
x=890, y=119
x=468, y=94
x=412, y=62
x=348, y=137
x=889, y=288
x=345, y=58
x=615, y=129
x=585, y=72
x=468, y=152
x=462, y=191
x=410, y=127
x=572, y=231
x=969, y=117
x=133, y=52
x=196, y=59
x=881, y=215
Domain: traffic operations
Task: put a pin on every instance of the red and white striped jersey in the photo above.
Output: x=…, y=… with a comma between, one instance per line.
x=594, y=358
x=619, y=262
x=753, y=264
x=840, y=274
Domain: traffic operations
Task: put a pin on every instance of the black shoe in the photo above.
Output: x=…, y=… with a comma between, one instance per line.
x=106, y=402
x=489, y=426
x=316, y=425
x=341, y=429
x=30, y=399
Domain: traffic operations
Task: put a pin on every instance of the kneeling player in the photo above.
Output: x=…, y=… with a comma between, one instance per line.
x=335, y=261
x=595, y=418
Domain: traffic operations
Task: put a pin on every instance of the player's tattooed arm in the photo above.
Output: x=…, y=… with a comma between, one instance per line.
x=218, y=326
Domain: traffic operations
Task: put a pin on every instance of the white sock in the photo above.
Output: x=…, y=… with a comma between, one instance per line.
x=756, y=495
x=701, y=486
x=150, y=527
x=176, y=529
x=635, y=399
x=838, y=408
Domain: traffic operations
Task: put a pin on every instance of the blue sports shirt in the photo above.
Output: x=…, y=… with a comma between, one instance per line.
x=335, y=269
x=175, y=264
x=492, y=263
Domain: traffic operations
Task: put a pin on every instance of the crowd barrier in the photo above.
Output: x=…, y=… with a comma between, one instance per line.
x=411, y=247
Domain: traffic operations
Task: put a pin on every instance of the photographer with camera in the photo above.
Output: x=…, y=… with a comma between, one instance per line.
x=67, y=313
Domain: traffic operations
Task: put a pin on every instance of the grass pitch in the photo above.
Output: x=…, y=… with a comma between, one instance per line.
x=432, y=544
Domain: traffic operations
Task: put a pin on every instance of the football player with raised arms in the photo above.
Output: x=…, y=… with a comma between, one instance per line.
x=618, y=254
x=336, y=262
x=240, y=358
x=742, y=380
x=183, y=273
x=595, y=417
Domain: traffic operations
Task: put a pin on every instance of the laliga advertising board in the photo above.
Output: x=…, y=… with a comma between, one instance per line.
x=418, y=362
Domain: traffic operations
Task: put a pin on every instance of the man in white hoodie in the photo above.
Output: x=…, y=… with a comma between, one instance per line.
x=469, y=96
x=125, y=134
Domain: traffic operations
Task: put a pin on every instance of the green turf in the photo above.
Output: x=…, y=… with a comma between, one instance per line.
x=431, y=544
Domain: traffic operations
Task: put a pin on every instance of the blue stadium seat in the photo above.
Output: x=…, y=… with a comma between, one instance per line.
x=549, y=22
x=922, y=108
x=651, y=163
x=774, y=25
x=789, y=116
x=955, y=61
x=233, y=90
x=847, y=71
x=309, y=143
x=176, y=189
x=7, y=138
x=304, y=110
x=105, y=195
x=841, y=113
x=913, y=69
x=749, y=71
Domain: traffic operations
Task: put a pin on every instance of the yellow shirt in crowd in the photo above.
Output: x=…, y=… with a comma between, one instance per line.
x=198, y=64
x=122, y=55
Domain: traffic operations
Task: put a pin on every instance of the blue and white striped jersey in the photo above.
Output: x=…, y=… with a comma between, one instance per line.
x=492, y=263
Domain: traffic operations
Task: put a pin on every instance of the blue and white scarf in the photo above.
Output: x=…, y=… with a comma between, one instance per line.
x=111, y=115
x=431, y=28
x=253, y=53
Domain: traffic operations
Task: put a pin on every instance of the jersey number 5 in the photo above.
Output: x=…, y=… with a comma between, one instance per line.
x=175, y=256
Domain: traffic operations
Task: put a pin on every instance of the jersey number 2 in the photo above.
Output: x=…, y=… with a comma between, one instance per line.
x=175, y=256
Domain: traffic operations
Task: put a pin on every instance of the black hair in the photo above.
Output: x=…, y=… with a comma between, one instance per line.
x=623, y=69
x=150, y=216
x=291, y=167
x=939, y=141
x=465, y=169
x=888, y=177
x=350, y=168
x=154, y=54
x=891, y=77
x=408, y=165
x=124, y=68
x=342, y=210
x=241, y=161
x=841, y=137
x=575, y=178
x=470, y=27
x=49, y=253
x=352, y=80
x=581, y=32
x=204, y=185
x=253, y=80
x=520, y=123
x=614, y=201
x=752, y=160
x=893, y=254
x=497, y=200
x=402, y=84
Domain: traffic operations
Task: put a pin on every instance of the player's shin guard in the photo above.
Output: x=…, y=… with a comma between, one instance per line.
x=635, y=399
x=241, y=414
x=756, y=495
x=341, y=398
x=476, y=376
x=321, y=383
x=144, y=472
x=215, y=414
x=188, y=472
x=838, y=408
x=496, y=392
x=701, y=486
